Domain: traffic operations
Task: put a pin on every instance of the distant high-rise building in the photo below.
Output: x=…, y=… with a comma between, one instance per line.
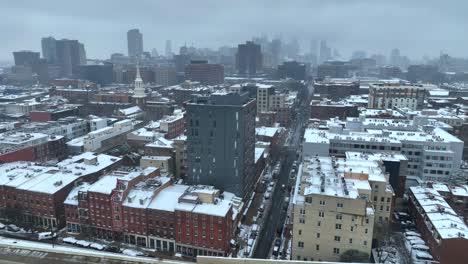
x=204, y=72
x=249, y=59
x=276, y=51
x=395, y=57
x=325, y=52
x=100, y=73
x=154, y=53
x=313, y=47
x=49, y=49
x=168, y=51
x=70, y=54
x=221, y=142
x=380, y=59
x=26, y=58
x=135, y=42
x=165, y=75
x=359, y=54
x=334, y=69
x=292, y=69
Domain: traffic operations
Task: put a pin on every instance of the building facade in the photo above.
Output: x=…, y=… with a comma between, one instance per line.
x=204, y=72
x=249, y=59
x=387, y=96
x=336, y=205
x=221, y=142
x=134, y=42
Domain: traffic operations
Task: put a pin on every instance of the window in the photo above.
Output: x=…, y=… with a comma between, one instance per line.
x=382, y=199
x=365, y=231
x=352, y=228
x=321, y=214
x=350, y=240
x=367, y=220
x=300, y=232
x=318, y=235
x=338, y=226
x=308, y=199
x=302, y=211
x=339, y=205
x=319, y=223
x=300, y=244
x=317, y=247
x=337, y=238
x=322, y=202
x=388, y=200
x=336, y=251
x=339, y=217
x=301, y=220
x=365, y=243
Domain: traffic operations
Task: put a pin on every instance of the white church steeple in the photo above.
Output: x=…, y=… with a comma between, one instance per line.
x=139, y=90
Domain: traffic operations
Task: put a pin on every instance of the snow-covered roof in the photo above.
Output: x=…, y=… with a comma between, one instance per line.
x=267, y=131
x=167, y=199
x=108, y=182
x=130, y=111
x=72, y=198
x=441, y=216
x=161, y=143
x=141, y=195
x=320, y=174
x=50, y=179
x=258, y=153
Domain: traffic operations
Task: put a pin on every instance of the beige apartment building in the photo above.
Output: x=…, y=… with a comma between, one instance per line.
x=335, y=209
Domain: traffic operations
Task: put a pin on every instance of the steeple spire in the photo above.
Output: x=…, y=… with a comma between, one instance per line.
x=139, y=90
x=138, y=76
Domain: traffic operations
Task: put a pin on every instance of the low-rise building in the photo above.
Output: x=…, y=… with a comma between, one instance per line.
x=19, y=146
x=34, y=194
x=107, y=137
x=442, y=229
x=142, y=208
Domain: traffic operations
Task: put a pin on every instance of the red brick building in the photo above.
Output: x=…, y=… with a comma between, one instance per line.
x=34, y=194
x=54, y=113
x=173, y=126
x=142, y=208
x=442, y=229
x=18, y=146
x=204, y=72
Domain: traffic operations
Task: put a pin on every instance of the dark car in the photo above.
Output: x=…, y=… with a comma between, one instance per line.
x=113, y=249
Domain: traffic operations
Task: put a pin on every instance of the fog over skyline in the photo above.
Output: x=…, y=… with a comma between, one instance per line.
x=416, y=27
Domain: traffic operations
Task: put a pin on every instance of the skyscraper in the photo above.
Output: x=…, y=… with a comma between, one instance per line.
x=70, y=54
x=135, y=42
x=395, y=58
x=221, y=142
x=249, y=59
x=325, y=52
x=49, y=49
x=168, y=51
x=26, y=57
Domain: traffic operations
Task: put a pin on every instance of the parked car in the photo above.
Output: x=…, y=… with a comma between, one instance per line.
x=13, y=228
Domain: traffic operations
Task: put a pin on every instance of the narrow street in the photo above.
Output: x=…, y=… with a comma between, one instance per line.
x=277, y=215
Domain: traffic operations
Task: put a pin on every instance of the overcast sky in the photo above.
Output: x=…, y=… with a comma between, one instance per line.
x=417, y=27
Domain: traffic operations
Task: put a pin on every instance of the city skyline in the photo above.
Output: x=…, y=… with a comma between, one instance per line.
x=104, y=33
